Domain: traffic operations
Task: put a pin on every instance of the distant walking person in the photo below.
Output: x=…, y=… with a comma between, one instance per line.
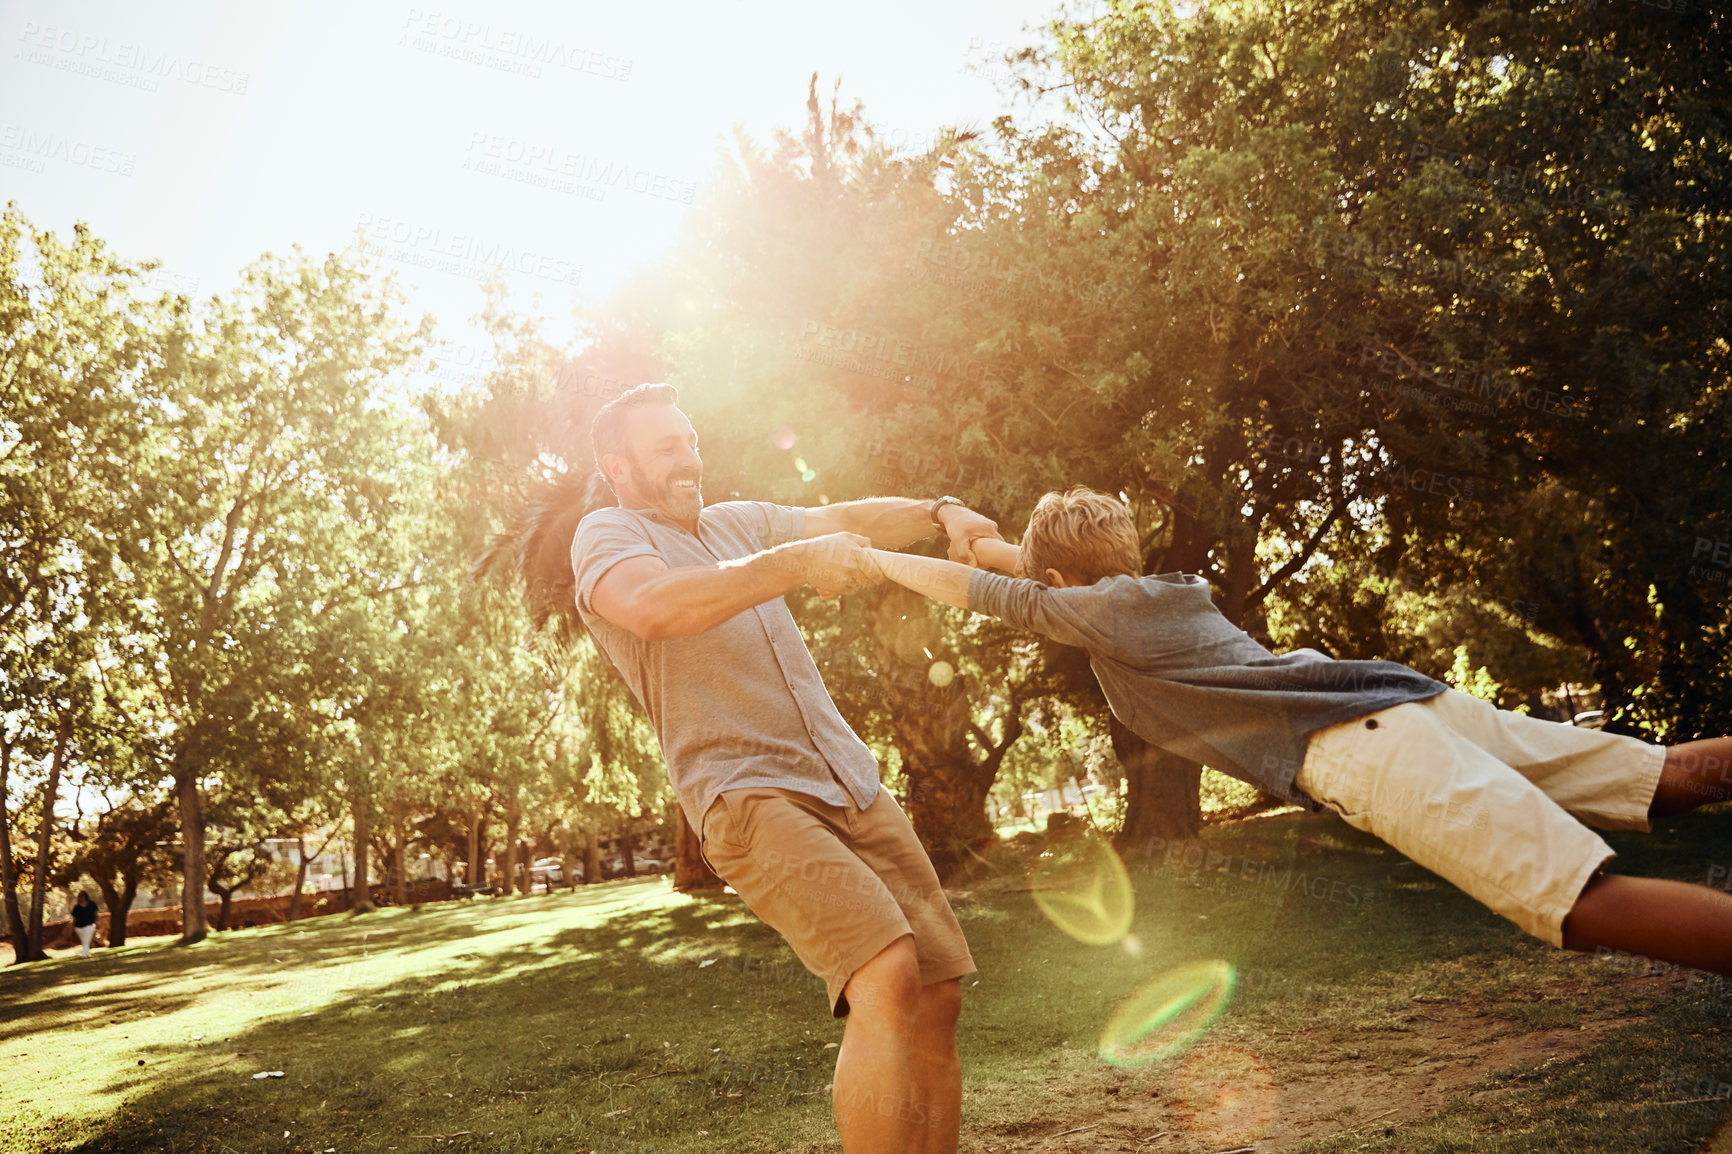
x=84, y=921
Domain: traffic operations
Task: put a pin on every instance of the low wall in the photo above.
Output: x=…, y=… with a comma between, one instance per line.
x=243, y=912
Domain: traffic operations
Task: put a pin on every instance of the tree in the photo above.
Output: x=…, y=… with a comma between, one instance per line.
x=10, y=912
x=312, y=815
x=275, y=460
x=78, y=349
x=235, y=862
x=791, y=296
x=126, y=844
x=1272, y=242
x=519, y=437
x=1233, y=269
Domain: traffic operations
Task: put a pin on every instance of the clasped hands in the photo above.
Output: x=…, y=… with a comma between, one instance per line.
x=838, y=563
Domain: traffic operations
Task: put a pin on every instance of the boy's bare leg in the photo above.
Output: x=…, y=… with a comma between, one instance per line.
x=874, y=1088
x=1696, y=773
x=937, y=1070
x=1669, y=921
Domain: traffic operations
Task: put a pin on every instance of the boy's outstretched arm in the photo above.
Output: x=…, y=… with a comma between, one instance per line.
x=1054, y=613
x=996, y=554
x=944, y=581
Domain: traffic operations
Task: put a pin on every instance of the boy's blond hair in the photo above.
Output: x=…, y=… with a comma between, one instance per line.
x=1083, y=534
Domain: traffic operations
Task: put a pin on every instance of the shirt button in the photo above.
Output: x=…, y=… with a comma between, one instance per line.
x=1371, y=723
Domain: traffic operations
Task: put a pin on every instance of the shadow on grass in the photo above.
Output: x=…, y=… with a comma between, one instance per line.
x=145, y=974
x=605, y=1038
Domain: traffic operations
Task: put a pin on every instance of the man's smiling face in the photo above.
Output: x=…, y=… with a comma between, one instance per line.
x=664, y=469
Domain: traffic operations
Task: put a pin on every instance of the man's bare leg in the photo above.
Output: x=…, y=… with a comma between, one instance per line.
x=874, y=1091
x=1696, y=773
x=1669, y=921
x=937, y=1070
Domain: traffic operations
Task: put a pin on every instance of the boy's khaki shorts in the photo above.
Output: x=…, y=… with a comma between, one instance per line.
x=838, y=883
x=1491, y=801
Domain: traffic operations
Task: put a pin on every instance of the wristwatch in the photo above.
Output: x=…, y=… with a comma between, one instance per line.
x=939, y=504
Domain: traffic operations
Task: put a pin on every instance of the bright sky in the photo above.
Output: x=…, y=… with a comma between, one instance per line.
x=565, y=139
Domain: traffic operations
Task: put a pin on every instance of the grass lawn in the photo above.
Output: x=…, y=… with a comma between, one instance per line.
x=1377, y=1010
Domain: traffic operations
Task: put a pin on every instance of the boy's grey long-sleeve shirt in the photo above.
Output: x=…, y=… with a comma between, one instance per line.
x=1184, y=678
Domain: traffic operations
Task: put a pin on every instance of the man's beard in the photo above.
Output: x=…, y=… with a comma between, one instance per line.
x=681, y=504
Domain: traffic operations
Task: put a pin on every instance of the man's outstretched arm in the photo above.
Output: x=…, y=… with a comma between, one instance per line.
x=896, y=522
x=655, y=601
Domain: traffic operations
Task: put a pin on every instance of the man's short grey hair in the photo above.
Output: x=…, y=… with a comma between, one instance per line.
x=607, y=431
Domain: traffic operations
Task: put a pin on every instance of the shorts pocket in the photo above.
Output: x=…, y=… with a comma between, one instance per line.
x=733, y=830
x=718, y=837
x=1333, y=773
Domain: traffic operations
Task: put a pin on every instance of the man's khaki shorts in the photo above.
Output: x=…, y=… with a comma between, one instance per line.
x=838, y=883
x=1491, y=801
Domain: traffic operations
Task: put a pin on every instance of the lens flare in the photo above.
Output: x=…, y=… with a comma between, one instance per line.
x=1168, y=1013
x=783, y=438
x=1226, y=1095
x=941, y=674
x=1082, y=887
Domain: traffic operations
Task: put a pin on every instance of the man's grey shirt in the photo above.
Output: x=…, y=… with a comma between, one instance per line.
x=741, y=704
x=1184, y=678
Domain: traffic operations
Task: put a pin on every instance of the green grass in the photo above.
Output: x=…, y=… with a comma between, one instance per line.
x=585, y=1021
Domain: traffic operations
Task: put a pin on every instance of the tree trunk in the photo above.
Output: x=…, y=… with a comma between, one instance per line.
x=119, y=904
x=627, y=848
x=111, y=898
x=513, y=819
x=300, y=880
x=400, y=851
x=591, y=858
x=1161, y=790
x=192, y=922
x=947, y=780
x=947, y=784
x=363, y=902
x=691, y=871
x=10, y=914
x=44, y=839
x=217, y=868
x=255, y=866
x=474, y=877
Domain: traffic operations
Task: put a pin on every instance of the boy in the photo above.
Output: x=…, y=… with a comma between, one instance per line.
x=1394, y=752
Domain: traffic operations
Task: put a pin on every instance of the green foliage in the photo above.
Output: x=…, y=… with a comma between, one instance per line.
x=1393, y=292
x=1344, y=303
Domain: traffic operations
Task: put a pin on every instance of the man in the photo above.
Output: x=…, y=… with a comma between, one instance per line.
x=686, y=601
